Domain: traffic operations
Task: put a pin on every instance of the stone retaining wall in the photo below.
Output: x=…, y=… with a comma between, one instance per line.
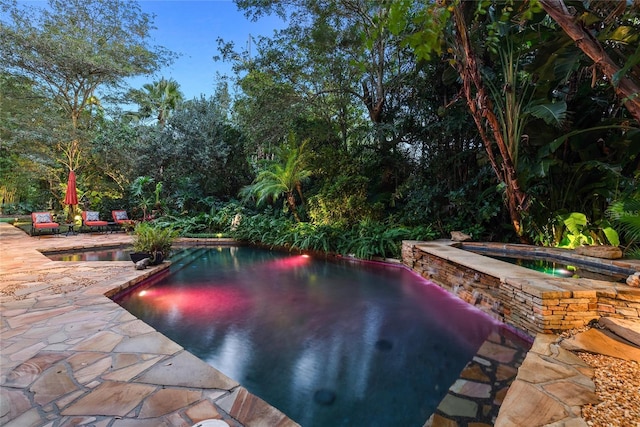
x=528, y=300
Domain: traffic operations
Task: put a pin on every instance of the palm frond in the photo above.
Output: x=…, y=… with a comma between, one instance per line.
x=626, y=214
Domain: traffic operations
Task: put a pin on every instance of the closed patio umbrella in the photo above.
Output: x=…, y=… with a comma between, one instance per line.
x=71, y=195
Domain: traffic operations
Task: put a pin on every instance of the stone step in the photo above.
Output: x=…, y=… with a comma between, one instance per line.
x=624, y=328
x=602, y=342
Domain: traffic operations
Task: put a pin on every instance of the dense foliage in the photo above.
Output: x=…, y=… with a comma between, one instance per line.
x=358, y=125
x=366, y=240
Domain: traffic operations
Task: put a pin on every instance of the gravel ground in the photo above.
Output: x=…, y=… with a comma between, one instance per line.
x=618, y=387
x=617, y=384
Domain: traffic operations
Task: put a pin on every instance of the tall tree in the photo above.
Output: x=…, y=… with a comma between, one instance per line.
x=197, y=154
x=503, y=156
x=71, y=48
x=491, y=63
x=349, y=37
x=338, y=63
x=448, y=23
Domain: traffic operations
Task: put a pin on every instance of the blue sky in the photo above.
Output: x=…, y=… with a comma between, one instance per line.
x=190, y=28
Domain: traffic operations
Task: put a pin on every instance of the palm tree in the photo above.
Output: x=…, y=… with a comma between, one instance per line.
x=282, y=177
x=157, y=99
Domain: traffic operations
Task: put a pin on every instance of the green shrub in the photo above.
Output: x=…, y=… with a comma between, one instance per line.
x=366, y=240
x=153, y=239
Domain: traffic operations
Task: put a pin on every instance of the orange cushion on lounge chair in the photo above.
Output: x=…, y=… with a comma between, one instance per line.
x=46, y=225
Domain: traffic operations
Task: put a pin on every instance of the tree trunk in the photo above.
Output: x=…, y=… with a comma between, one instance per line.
x=291, y=203
x=483, y=115
x=626, y=90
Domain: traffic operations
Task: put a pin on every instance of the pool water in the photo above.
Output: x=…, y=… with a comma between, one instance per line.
x=328, y=343
x=561, y=269
x=106, y=254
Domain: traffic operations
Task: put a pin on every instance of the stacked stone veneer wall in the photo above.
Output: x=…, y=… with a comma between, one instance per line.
x=530, y=301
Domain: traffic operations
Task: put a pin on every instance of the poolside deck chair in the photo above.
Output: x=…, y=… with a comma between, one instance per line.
x=43, y=221
x=121, y=218
x=91, y=220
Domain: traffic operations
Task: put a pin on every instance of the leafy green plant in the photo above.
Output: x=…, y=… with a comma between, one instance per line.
x=282, y=177
x=366, y=240
x=152, y=239
x=379, y=239
x=577, y=232
x=138, y=191
x=343, y=199
x=626, y=214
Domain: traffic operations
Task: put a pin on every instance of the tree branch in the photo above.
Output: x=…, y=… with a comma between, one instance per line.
x=626, y=90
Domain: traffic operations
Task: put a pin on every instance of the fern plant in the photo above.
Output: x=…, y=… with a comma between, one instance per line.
x=366, y=240
x=154, y=240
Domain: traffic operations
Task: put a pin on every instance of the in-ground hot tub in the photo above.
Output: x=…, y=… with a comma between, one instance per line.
x=555, y=261
x=526, y=299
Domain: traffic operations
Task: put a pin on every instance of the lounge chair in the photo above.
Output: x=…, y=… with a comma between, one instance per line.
x=91, y=219
x=43, y=221
x=121, y=218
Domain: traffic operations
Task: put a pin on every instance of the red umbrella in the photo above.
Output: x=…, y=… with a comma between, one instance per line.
x=71, y=196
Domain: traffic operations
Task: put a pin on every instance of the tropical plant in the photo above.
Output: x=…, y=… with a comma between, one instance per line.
x=365, y=240
x=578, y=231
x=493, y=133
x=144, y=199
x=370, y=239
x=216, y=222
x=626, y=214
x=282, y=177
x=342, y=200
x=154, y=240
x=605, y=32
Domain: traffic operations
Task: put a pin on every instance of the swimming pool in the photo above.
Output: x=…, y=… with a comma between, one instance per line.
x=328, y=343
